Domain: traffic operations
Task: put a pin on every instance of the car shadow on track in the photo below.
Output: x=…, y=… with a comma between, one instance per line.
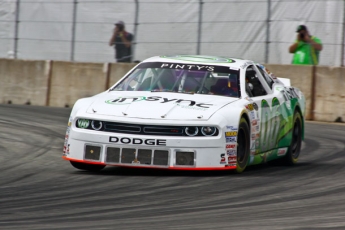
x=255, y=170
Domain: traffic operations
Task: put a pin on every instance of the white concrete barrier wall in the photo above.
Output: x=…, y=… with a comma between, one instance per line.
x=300, y=76
x=330, y=93
x=23, y=82
x=71, y=81
x=60, y=84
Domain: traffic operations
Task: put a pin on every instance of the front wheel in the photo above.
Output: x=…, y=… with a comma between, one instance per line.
x=294, y=150
x=87, y=167
x=243, y=146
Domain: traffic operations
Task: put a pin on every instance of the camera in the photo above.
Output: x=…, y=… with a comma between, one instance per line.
x=301, y=35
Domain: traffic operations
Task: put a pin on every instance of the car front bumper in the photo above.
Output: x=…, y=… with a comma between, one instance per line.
x=166, y=152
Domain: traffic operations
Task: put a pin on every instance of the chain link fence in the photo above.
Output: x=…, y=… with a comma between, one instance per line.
x=79, y=30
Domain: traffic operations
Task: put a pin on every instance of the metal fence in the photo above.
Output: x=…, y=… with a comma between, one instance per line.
x=79, y=30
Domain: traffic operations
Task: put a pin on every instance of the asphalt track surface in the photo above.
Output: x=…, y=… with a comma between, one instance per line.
x=39, y=190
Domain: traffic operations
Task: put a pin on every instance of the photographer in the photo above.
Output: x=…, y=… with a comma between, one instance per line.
x=122, y=41
x=306, y=48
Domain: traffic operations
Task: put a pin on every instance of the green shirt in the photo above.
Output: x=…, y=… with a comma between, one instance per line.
x=306, y=54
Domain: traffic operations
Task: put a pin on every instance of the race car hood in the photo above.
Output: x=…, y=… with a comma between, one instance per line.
x=158, y=105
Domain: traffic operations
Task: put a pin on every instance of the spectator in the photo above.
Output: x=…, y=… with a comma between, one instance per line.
x=122, y=41
x=306, y=48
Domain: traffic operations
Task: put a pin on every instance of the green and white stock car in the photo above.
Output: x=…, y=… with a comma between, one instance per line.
x=188, y=112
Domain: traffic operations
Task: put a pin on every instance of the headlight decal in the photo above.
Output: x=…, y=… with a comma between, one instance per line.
x=83, y=123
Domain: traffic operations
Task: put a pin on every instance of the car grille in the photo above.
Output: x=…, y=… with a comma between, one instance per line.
x=140, y=156
x=92, y=152
x=143, y=129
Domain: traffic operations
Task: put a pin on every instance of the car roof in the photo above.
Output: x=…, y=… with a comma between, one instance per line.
x=202, y=59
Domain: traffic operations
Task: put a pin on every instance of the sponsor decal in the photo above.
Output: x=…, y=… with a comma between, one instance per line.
x=250, y=107
x=252, y=145
x=69, y=122
x=230, y=127
x=254, y=122
x=222, y=158
x=257, y=128
x=137, y=141
x=279, y=88
x=230, y=146
x=232, y=159
x=245, y=65
x=187, y=67
x=231, y=152
x=253, y=129
x=252, y=152
x=230, y=139
x=282, y=152
x=257, y=143
x=67, y=150
x=157, y=99
x=192, y=107
x=252, y=115
x=256, y=107
x=231, y=134
x=233, y=164
x=253, y=136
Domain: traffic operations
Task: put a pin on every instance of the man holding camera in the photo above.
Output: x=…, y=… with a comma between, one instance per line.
x=306, y=48
x=122, y=41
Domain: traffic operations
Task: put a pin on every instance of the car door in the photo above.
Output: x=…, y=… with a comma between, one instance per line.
x=267, y=123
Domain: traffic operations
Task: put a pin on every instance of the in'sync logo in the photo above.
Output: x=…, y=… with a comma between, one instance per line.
x=125, y=100
x=157, y=99
x=83, y=123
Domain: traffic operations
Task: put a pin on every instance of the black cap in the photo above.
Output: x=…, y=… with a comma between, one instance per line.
x=120, y=23
x=301, y=27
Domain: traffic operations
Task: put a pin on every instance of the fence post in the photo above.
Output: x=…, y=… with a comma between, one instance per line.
x=343, y=38
x=136, y=19
x=199, y=27
x=16, y=29
x=268, y=30
x=75, y=2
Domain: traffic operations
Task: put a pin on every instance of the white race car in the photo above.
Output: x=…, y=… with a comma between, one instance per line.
x=188, y=113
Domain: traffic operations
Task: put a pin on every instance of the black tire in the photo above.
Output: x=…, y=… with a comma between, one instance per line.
x=87, y=167
x=243, y=146
x=294, y=150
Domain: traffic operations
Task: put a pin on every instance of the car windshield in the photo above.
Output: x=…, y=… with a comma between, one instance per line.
x=182, y=78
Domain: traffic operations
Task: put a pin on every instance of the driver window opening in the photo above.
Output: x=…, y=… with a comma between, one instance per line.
x=254, y=87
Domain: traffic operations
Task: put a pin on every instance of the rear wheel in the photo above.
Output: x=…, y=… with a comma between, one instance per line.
x=243, y=146
x=294, y=150
x=87, y=167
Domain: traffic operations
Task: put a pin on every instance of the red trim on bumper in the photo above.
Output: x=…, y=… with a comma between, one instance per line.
x=152, y=167
x=82, y=161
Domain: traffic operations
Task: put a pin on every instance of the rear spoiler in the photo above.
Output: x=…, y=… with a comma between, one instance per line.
x=285, y=81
